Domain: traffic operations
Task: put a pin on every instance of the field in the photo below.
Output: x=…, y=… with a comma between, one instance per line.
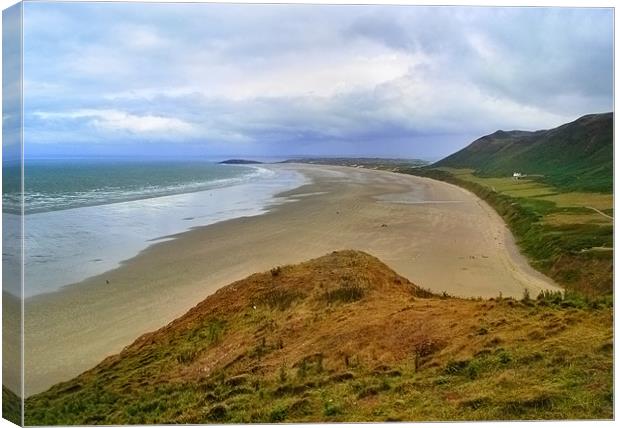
x=581, y=205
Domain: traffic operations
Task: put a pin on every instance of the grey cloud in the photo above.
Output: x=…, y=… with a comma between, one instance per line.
x=381, y=28
x=458, y=72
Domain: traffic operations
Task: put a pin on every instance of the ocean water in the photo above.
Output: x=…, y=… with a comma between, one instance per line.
x=84, y=218
x=58, y=185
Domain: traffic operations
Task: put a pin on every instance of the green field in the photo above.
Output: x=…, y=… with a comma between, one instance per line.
x=579, y=204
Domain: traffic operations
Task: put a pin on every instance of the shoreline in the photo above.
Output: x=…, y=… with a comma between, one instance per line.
x=341, y=208
x=72, y=245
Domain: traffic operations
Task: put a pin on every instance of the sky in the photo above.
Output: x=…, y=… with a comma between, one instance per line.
x=11, y=85
x=122, y=79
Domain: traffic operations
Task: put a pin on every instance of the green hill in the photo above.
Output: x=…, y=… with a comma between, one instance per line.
x=574, y=156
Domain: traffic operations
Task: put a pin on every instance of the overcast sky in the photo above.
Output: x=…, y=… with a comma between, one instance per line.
x=400, y=81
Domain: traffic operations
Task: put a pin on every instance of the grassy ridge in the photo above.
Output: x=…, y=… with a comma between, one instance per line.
x=574, y=156
x=576, y=254
x=344, y=338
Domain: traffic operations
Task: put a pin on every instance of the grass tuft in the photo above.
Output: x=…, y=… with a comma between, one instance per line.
x=281, y=299
x=344, y=294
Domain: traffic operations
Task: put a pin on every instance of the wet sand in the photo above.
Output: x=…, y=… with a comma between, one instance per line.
x=439, y=236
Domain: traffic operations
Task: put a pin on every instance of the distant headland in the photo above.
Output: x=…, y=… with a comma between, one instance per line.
x=239, y=162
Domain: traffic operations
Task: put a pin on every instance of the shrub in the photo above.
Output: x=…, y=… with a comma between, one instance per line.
x=280, y=299
x=537, y=402
x=442, y=380
x=302, y=370
x=374, y=388
x=331, y=409
x=344, y=294
x=475, y=403
x=215, y=330
x=504, y=357
x=526, y=295
x=217, y=412
x=473, y=369
x=187, y=355
x=278, y=413
x=455, y=367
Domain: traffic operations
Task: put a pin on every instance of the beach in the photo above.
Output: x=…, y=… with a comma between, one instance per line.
x=439, y=236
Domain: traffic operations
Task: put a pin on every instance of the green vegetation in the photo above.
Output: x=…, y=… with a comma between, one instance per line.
x=239, y=162
x=280, y=299
x=574, y=156
x=344, y=294
x=394, y=352
x=558, y=231
x=11, y=406
x=373, y=163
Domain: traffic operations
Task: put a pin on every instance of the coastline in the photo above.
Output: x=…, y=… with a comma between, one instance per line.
x=71, y=245
x=462, y=247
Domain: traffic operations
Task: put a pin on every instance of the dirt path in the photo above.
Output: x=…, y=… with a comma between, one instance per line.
x=601, y=213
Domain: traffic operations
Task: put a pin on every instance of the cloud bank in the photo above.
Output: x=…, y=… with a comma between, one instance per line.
x=279, y=80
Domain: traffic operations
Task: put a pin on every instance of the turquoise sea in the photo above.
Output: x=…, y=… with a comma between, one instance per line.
x=84, y=217
x=60, y=184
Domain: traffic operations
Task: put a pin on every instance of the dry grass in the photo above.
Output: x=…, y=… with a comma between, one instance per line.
x=393, y=352
x=599, y=201
x=524, y=188
x=557, y=219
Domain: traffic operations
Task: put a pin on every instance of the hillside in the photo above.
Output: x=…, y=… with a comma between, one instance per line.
x=574, y=156
x=344, y=338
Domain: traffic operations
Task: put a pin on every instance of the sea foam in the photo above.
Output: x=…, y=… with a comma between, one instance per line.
x=69, y=245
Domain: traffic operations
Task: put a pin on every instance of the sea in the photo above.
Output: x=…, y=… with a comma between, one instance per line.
x=84, y=217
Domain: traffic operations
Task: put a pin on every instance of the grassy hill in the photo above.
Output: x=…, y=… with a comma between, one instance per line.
x=344, y=338
x=574, y=156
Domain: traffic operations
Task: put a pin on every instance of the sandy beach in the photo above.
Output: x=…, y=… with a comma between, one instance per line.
x=439, y=236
